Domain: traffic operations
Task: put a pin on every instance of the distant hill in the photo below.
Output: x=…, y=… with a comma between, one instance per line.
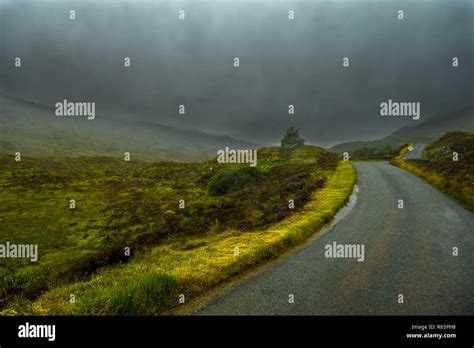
x=425, y=132
x=352, y=145
x=432, y=129
x=34, y=130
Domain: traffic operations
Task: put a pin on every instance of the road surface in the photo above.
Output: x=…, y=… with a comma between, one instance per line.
x=416, y=153
x=408, y=252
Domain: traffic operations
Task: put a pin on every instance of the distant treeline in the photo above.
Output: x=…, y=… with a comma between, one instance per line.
x=382, y=153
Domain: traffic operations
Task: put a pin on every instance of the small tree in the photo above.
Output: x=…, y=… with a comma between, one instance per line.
x=290, y=142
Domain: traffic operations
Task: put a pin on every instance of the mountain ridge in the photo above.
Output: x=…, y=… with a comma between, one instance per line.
x=146, y=140
x=424, y=132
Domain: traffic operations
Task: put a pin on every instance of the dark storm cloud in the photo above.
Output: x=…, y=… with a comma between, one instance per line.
x=282, y=62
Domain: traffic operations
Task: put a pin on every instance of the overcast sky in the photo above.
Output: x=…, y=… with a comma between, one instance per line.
x=282, y=62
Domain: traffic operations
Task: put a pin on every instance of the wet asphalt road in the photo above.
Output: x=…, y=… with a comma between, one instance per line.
x=408, y=251
x=416, y=153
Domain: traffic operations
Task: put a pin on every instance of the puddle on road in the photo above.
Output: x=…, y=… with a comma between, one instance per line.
x=344, y=211
x=341, y=214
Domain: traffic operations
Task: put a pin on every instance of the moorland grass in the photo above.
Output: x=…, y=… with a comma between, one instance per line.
x=153, y=281
x=454, y=178
x=135, y=204
x=460, y=192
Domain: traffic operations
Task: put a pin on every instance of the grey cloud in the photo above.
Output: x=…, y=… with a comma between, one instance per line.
x=282, y=62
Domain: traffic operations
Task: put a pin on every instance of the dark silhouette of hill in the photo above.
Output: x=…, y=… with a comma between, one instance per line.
x=425, y=132
x=35, y=130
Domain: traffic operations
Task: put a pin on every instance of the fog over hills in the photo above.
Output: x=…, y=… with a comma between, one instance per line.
x=35, y=130
x=435, y=127
x=424, y=132
x=282, y=62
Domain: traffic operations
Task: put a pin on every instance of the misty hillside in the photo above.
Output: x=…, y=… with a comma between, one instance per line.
x=34, y=130
x=425, y=132
x=282, y=62
x=434, y=128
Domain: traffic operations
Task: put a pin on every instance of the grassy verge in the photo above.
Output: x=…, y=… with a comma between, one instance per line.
x=136, y=205
x=454, y=178
x=155, y=278
x=403, y=152
x=452, y=188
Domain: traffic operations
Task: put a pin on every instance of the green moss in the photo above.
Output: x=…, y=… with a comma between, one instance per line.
x=136, y=205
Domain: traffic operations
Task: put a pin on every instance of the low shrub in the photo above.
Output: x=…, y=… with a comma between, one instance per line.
x=231, y=180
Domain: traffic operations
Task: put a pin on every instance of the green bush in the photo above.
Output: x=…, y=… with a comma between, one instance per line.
x=232, y=180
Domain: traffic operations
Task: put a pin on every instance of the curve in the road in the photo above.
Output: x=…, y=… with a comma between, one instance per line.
x=416, y=153
x=408, y=252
